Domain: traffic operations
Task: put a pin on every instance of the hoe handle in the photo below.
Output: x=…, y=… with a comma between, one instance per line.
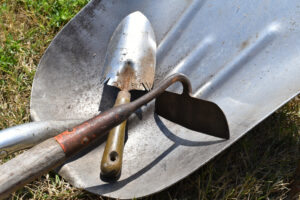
x=111, y=163
x=54, y=151
x=29, y=165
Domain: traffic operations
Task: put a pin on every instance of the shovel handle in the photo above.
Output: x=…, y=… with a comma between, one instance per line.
x=29, y=134
x=29, y=165
x=111, y=163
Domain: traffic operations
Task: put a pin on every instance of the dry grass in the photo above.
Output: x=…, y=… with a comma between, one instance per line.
x=260, y=166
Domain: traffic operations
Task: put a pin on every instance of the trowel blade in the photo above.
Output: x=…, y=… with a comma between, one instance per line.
x=131, y=55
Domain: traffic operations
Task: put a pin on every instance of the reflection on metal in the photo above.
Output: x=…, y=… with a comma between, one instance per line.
x=250, y=67
x=130, y=58
x=246, y=55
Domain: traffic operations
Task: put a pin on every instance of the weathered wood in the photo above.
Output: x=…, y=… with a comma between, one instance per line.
x=29, y=165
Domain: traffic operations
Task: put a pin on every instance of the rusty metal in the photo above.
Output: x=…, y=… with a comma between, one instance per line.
x=79, y=137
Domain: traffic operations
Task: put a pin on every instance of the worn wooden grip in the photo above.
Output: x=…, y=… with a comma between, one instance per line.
x=29, y=165
x=111, y=163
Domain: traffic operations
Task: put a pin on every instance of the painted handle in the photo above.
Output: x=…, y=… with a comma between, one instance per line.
x=111, y=163
x=29, y=165
x=27, y=135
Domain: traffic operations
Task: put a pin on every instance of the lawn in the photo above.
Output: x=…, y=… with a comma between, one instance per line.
x=260, y=166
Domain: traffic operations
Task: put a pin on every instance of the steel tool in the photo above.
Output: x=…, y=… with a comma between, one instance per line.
x=54, y=151
x=130, y=65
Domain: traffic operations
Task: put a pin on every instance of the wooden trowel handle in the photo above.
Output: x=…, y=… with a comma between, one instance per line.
x=29, y=165
x=111, y=163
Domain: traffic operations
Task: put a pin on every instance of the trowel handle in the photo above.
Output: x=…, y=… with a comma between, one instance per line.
x=111, y=163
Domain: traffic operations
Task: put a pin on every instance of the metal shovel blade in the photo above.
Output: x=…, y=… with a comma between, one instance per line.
x=241, y=55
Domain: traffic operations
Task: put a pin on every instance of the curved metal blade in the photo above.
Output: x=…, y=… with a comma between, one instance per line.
x=193, y=113
x=131, y=54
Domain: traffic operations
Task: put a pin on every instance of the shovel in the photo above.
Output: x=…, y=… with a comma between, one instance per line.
x=241, y=55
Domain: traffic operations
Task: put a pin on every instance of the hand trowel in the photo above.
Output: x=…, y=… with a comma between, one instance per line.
x=130, y=65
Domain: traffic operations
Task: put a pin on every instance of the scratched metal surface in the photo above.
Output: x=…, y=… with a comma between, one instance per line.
x=242, y=55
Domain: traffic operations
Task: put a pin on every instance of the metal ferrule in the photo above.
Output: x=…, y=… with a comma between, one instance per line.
x=27, y=135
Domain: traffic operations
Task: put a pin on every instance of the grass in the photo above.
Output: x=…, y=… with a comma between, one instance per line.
x=260, y=166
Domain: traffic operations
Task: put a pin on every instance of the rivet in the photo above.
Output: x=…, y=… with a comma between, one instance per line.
x=85, y=140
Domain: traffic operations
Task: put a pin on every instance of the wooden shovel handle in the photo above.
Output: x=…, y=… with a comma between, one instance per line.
x=111, y=163
x=29, y=165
